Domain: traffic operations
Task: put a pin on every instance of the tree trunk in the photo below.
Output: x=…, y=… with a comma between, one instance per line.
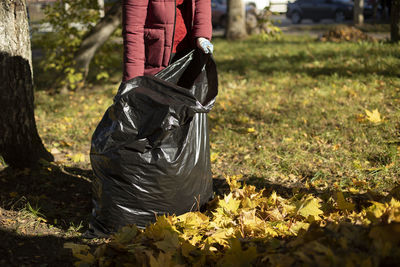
x=395, y=21
x=20, y=144
x=359, y=12
x=236, y=28
x=101, y=7
x=97, y=37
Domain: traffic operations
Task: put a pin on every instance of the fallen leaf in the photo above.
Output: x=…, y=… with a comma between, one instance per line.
x=374, y=116
x=251, y=130
x=343, y=204
x=213, y=156
x=76, y=248
x=309, y=206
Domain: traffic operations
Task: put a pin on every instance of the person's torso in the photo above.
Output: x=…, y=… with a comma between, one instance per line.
x=161, y=33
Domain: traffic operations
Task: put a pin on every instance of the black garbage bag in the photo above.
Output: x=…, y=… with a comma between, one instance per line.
x=150, y=152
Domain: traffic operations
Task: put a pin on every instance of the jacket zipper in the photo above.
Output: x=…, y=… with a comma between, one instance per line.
x=173, y=37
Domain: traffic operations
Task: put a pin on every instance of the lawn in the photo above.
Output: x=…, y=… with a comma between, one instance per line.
x=292, y=115
x=294, y=111
x=290, y=112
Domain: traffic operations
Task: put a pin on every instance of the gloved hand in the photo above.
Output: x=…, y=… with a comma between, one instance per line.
x=205, y=45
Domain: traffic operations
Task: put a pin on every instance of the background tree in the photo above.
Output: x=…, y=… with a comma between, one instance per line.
x=101, y=7
x=79, y=30
x=236, y=27
x=20, y=144
x=358, y=12
x=395, y=21
x=97, y=37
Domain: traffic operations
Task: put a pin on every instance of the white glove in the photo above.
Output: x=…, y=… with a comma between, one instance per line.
x=205, y=45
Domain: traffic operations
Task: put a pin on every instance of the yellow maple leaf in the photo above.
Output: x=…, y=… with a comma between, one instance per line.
x=81, y=252
x=247, y=203
x=248, y=217
x=275, y=215
x=236, y=256
x=394, y=211
x=186, y=249
x=233, y=181
x=251, y=130
x=193, y=219
x=76, y=248
x=158, y=230
x=375, y=211
x=214, y=156
x=309, y=206
x=125, y=234
x=342, y=204
x=85, y=259
x=230, y=204
x=374, y=116
x=162, y=260
x=220, y=219
x=221, y=236
x=272, y=198
x=170, y=242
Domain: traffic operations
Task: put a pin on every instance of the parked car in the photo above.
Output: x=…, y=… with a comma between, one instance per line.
x=276, y=6
x=316, y=10
x=339, y=10
x=219, y=13
x=258, y=4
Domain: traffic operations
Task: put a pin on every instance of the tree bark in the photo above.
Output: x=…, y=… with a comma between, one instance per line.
x=97, y=37
x=20, y=144
x=236, y=28
x=101, y=7
x=395, y=21
x=359, y=12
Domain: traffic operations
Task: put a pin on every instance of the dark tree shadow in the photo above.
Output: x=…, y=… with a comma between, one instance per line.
x=18, y=250
x=267, y=64
x=357, y=246
x=66, y=197
x=62, y=196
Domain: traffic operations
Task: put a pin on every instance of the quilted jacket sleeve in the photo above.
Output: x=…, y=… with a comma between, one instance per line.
x=134, y=17
x=202, y=26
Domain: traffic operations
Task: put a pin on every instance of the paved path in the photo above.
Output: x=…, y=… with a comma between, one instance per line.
x=306, y=27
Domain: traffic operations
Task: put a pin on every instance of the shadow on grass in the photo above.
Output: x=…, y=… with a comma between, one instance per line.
x=68, y=197
x=334, y=244
x=62, y=197
x=267, y=64
x=40, y=210
x=18, y=250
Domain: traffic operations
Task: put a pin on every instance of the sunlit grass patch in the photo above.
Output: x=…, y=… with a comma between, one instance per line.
x=291, y=111
x=66, y=122
x=307, y=103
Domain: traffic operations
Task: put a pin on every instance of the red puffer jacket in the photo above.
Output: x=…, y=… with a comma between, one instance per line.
x=148, y=29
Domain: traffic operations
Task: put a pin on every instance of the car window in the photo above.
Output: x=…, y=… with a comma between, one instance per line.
x=322, y=1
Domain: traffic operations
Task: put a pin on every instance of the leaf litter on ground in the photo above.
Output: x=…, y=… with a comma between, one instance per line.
x=250, y=227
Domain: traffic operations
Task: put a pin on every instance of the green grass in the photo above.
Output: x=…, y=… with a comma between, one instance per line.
x=66, y=122
x=290, y=112
x=307, y=100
